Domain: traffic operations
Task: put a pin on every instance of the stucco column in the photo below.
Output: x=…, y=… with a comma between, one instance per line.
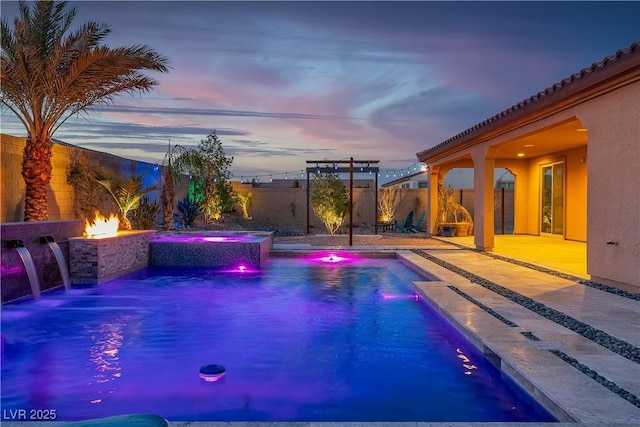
x=483, y=176
x=520, y=171
x=432, y=199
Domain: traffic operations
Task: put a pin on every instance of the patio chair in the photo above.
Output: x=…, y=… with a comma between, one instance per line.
x=405, y=225
x=415, y=226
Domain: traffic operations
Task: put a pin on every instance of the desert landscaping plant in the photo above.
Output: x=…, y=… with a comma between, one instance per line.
x=188, y=212
x=168, y=185
x=144, y=217
x=50, y=73
x=127, y=194
x=82, y=173
x=389, y=199
x=450, y=211
x=329, y=200
x=244, y=200
x=209, y=167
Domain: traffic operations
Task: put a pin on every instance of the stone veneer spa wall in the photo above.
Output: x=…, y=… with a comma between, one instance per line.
x=94, y=260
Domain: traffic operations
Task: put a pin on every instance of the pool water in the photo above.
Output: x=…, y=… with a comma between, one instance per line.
x=301, y=340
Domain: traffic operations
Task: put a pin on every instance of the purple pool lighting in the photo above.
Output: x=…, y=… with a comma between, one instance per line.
x=302, y=340
x=224, y=250
x=186, y=238
x=332, y=258
x=392, y=297
x=217, y=239
x=240, y=269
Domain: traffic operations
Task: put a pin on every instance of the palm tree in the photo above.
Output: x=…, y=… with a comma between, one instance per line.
x=127, y=194
x=49, y=74
x=168, y=191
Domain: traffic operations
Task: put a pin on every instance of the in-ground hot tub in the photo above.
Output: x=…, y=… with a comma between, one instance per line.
x=214, y=249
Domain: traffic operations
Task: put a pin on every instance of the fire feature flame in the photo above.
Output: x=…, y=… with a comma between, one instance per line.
x=102, y=226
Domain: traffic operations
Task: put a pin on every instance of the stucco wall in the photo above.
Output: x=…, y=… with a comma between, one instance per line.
x=613, y=193
x=575, y=210
x=576, y=194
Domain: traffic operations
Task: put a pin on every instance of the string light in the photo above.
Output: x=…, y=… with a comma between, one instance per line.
x=387, y=173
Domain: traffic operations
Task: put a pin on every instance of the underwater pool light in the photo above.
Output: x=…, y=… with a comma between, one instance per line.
x=332, y=258
x=215, y=239
x=391, y=297
x=240, y=269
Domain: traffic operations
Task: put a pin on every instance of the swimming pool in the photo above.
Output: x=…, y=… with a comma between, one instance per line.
x=304, y=339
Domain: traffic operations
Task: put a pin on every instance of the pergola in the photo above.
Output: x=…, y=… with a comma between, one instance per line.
x=336, y=166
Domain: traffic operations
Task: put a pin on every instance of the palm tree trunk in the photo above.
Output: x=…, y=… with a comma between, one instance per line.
x=36, y=171
x=125, y=223
x=168, y=196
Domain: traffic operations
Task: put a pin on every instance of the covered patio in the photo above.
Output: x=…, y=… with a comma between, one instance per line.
x=565, y=256
x=573, y=151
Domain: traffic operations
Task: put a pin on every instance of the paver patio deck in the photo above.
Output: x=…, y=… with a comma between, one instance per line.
x=546, y=376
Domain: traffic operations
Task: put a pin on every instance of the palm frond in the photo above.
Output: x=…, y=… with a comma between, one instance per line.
x=112, y=185
x=50, y=73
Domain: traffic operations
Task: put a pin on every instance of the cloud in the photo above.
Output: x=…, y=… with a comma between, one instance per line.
x=216, y=112
x=283, y=82
x=428, y=116
x=146, y=147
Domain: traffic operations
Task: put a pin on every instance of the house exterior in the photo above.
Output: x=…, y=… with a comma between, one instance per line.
x=414, y=180
x=574, y=151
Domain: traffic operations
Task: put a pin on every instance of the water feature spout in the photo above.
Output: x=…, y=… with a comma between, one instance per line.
x=29, y=266
x=62, y=264
x=15, y=243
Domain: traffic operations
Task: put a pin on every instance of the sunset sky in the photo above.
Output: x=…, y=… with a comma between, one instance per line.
x=286, y=82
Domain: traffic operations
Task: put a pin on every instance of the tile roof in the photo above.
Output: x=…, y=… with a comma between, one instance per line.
x=532, y=102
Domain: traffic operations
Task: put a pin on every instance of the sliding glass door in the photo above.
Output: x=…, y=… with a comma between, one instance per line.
x=552, y=209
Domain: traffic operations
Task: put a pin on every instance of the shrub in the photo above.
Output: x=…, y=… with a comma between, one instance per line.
x=188, y=211
x=144, y=218
x=244, y=200
x=127, y=194
x=209, y=167
x=388, y=201
x=329, y=200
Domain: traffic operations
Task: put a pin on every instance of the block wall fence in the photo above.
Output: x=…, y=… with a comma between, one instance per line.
x=62, y=202
x=277, y=208
x=286, y=208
